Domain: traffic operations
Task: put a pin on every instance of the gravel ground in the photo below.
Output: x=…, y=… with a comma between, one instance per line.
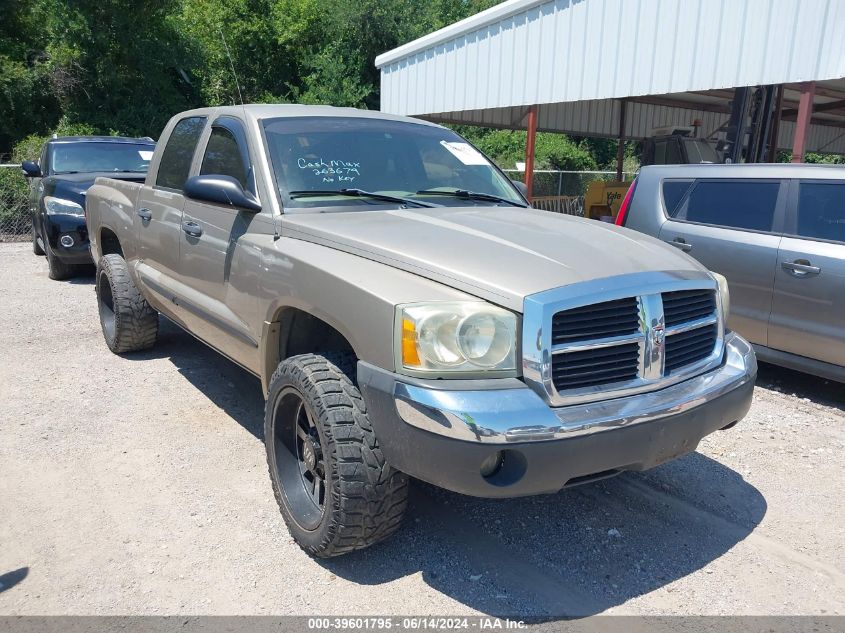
x=138, y=486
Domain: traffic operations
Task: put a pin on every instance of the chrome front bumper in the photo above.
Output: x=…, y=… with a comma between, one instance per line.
x=505, y=416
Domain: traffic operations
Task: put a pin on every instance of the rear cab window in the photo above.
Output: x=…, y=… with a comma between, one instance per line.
x=738, y=204
x=175, y=164
x=821, y=211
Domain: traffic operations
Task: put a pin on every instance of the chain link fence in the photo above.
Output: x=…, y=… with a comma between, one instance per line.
x=562, y=191
x=15, y=221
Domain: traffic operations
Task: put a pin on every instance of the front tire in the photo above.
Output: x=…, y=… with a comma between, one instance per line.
x=58, y=270
x=36, y=247
x=129, y=323
x=335, y=491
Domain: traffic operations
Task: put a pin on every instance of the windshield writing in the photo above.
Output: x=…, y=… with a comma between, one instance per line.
x=393, y=158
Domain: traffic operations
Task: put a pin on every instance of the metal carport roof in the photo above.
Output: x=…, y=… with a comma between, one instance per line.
x=671, y=60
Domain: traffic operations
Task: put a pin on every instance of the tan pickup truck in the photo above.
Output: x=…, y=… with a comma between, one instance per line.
x=409, y=314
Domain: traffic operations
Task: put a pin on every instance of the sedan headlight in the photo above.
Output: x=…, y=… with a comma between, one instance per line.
x=724, y=295
x=466, y=337
x=60, y=206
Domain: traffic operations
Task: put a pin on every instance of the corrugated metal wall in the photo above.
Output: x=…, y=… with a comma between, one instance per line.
x=601, y=118
x=577, y=56
x=575, y=50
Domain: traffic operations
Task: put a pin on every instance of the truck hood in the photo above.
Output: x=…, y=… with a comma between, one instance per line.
x=501, y=254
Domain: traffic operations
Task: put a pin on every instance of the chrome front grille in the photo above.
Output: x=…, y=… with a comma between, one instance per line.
x=689, y=346
x=595, y=366
x=687, y=305
x=611, y=318
x=611, y=342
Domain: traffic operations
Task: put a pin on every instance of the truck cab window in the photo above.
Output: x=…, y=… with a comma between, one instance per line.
x=176, y=159
x=224, y=157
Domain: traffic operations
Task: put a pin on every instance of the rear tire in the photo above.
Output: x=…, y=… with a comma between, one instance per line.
x=58, y=270
x=36, y=248
x=129, y=323
x=335, y=491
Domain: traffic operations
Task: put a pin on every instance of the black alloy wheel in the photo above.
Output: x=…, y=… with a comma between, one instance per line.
x=300, y=462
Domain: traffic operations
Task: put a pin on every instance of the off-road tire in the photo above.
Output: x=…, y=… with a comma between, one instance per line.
x=130, y=324
x=36, y=249
x=365, y=498
x=58, y=270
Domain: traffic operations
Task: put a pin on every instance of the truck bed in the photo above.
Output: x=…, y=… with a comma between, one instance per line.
x=110, y=204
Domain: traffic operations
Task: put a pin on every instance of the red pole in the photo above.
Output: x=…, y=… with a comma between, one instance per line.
x=802, y=122
x=530, y=143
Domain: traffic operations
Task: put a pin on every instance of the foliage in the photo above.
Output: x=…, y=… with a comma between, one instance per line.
x=824, y=159
x=29, y=148
x=784, y=156
x=126, y=68
x=552, y=151
x=14, y=195
x=27, y=103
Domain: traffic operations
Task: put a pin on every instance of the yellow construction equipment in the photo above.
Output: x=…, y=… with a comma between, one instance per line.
x=603, y=198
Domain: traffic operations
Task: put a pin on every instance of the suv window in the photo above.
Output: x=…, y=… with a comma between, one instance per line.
x=176, y=159
x=739, y=204
x=673, y=193
x=223, y=156
x=821, y=210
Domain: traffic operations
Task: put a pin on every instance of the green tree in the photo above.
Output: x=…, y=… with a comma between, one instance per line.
x=27, y=102
x=123, y=65
x=551, y=151
x=341, y=70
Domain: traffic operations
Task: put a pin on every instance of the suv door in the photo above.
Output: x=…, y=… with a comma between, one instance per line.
x=159, y=212
x=211, y=244
x=733, y=227
x=808, y=310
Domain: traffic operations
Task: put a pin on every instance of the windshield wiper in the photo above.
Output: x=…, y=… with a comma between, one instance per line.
x=470, y=195
x=358, y=193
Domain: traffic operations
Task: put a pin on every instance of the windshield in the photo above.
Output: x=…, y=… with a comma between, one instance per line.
x=700, y=151
x=314, y=156
x=89, y=156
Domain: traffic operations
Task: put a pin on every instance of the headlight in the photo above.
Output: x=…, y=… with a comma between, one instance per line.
x=724, y=295
x=57, y=206
x=461, y=337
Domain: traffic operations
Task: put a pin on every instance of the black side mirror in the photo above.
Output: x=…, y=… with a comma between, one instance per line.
x=30, y=169
x=221, y=189
x=523, y=189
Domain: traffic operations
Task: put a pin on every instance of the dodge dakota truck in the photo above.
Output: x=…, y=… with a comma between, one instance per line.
x=409, y=314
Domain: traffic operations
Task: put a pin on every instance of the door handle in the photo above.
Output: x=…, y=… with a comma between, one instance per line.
x=192, y=228
x=800, y=268
x=145, y=214
x=681, y=243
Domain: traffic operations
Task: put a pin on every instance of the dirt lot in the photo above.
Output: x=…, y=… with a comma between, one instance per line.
x=138, y=486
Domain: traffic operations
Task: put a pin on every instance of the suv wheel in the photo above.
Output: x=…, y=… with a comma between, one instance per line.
x=129, y=323
x=58, y=270
x=334, y=489
x=36, y=243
